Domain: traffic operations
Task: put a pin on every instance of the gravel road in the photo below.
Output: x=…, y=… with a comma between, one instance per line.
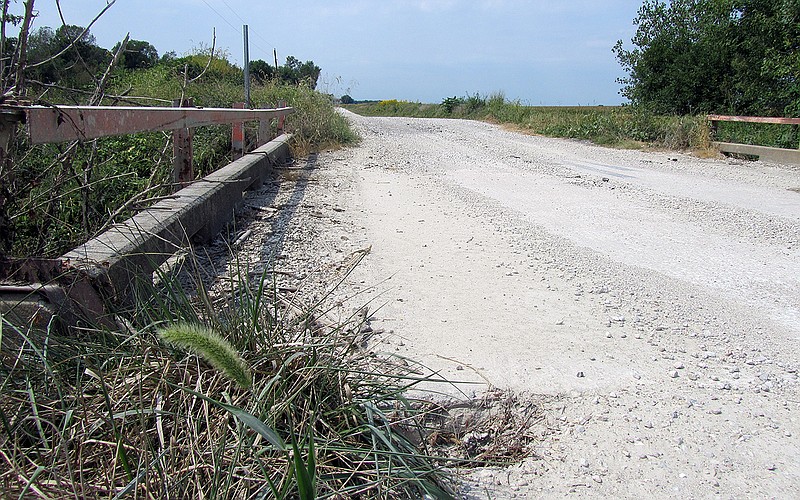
x=649, y=301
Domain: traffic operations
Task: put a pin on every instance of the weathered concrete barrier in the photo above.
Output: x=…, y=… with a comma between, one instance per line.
x=107, y=268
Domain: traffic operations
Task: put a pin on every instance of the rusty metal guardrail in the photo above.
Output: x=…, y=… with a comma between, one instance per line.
x=104, y=270
x=780, y=155
x=49, y=124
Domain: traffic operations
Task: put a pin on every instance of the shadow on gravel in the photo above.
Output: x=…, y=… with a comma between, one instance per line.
x=272, y=249
x=213, y=260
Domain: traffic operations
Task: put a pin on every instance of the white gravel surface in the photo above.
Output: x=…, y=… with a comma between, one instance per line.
x=649, y=300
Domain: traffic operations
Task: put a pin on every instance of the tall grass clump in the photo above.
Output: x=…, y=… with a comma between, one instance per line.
x=276, y=403
x=315, y=124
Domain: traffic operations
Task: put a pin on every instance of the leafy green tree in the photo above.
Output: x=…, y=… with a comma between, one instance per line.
x=696, y=56
x=261, y=70
x=138, y=55
x=75, y=66
x=295, y=72
x=346, y=99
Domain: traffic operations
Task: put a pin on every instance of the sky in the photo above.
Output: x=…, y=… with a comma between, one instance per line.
x=541, y=52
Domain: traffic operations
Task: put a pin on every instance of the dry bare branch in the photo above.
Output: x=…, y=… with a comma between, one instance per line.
x=101, y=85
x=77, y=39
x=21, y=55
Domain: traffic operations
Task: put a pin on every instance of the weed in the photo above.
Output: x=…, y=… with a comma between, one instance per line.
x=120, y=413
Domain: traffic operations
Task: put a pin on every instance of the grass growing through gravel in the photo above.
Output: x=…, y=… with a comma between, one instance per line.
x=294, y=408
x=618, y=126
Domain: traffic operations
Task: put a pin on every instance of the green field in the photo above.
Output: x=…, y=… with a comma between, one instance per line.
x=617, y=126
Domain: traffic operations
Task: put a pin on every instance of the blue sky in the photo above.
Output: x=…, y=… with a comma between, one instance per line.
x=545, y=52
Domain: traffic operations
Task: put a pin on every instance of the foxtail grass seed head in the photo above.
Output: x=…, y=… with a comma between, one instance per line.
x=207, y=344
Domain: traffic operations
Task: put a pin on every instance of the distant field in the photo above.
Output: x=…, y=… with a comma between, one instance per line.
x=618, y=126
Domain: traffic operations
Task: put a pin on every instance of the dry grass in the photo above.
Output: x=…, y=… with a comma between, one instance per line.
x=107, y=414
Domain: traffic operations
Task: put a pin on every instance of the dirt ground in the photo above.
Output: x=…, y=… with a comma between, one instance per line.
x=649, y=302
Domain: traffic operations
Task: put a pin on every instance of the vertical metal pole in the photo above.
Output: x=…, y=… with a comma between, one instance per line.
x=246, y=68
x=182, y=167
x=237, y=135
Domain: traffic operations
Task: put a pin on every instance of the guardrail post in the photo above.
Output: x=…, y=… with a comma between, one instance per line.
x=183, y=169
x=263, y=132
x=282, y=118
x=8, y=124
x=237, y=135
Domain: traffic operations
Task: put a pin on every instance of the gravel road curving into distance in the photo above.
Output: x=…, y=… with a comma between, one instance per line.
x=651, y=299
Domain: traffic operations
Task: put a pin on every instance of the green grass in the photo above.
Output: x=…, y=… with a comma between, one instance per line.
x=760, y=134
x=117, y=412
x=606, y=125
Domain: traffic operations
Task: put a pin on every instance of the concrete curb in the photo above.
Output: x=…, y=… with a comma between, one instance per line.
x=128, y=253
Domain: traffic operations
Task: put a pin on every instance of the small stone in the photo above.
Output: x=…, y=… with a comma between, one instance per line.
x=584, y=463
x=772, y=467
x=580, y=375
x=679, y=366
x=673, y=374
x=598, y=479
x=560, y=322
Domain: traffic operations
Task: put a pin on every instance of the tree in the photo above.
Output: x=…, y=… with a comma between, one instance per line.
x=697, y=56
x=294, y=72
x=76, y=67
x=138, y=55
x=261, y=70
x=346, y=99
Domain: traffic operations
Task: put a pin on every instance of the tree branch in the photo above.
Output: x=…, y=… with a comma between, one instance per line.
x=23, y=45
x=77, y=39
x=101, y=85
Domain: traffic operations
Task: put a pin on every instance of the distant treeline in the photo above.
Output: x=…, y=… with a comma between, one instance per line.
x=69, y=57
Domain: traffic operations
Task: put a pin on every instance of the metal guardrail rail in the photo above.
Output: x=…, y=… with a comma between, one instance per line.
x=106, y=269
x=779, y=155
x=66, y=123
x=49, y=124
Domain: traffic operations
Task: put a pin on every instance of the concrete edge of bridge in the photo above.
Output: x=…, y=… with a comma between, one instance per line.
x=110, y=268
